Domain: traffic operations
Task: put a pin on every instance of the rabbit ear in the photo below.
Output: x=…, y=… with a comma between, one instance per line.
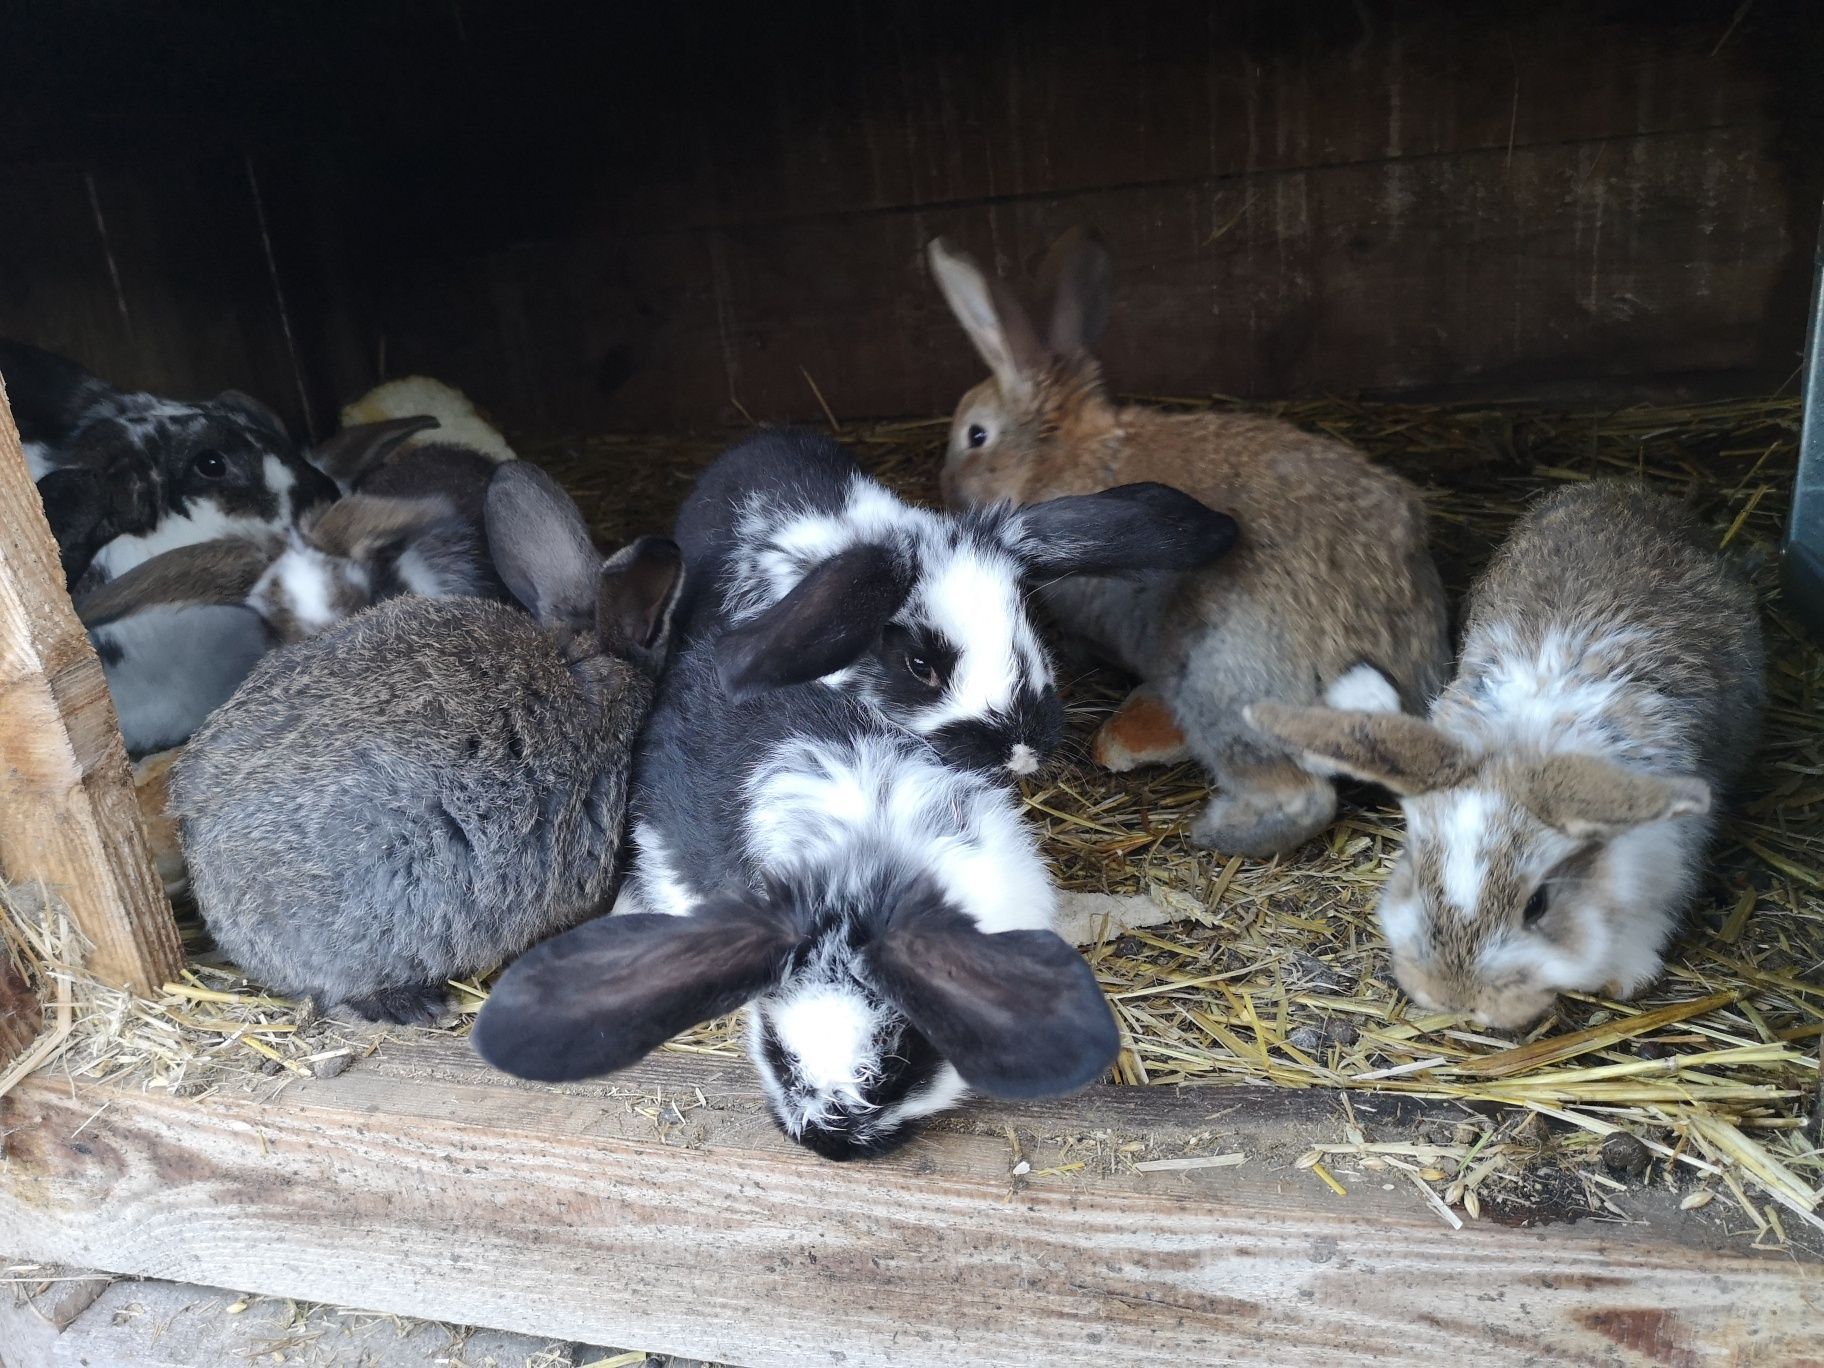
x=638, y=591
x=540, y=545
x=212, y=572
x=356, y=452
x=1130, y=527
x=992, y=317
x=1078, y=278
x=836, y=612
x=1395, y=750
x=1585, y=797
x=255, y=414
x=600, y=997
x=365, y=527
x=1017, y=1012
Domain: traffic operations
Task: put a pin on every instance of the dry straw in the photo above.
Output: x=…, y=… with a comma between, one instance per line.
x=1276, y=974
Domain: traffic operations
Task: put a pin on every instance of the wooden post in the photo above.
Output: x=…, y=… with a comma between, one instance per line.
x=68, y=816
x=661, y=1209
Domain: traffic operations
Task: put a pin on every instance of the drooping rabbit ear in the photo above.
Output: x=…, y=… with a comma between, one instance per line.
x=223, y=571
x=255, y=414
x=1017, y=1012
x=835, y=613
x=602, y=996
x=540, y=545
x=1395, y=750
x=638, y=592
x=1078, y=278
x=365, y=527
x=1588, y=798
x=992, y=317
x=356, y=452
x=1129, y=527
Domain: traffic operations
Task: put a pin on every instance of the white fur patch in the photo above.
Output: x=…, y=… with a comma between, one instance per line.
x=1024, y=759
x=177, y=665
x=205, y=521
x=945, y=1090
x=1462, y=827
x=830, y=1035
x=835, y=812
x=38, y=460
x=1402, y=923
x=418, y=577
x=281, y=479
x=1362, y=688
x=654, y=884
x=302, y=582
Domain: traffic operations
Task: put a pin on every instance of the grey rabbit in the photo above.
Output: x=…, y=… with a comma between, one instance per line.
x=434, y=785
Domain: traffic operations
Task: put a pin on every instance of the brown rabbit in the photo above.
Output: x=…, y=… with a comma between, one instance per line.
x=1331, y=573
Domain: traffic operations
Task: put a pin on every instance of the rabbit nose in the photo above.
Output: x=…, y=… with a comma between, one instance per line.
x=1023, y=759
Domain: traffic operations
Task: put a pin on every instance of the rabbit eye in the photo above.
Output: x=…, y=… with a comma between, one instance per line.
x=211, y=465
x=978, y=435
x=1535, y=906
x=923, y=671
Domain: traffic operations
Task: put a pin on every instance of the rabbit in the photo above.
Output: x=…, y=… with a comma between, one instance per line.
x=460, y=422
x=1332, y=567
x=932, y=624
x=1560, y=799
x=885, y=917
x=133, y=474
x=436, y=784
x=154, y=625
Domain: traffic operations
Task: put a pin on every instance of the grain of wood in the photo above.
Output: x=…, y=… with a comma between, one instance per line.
x=660, y=1210
x=68, y=816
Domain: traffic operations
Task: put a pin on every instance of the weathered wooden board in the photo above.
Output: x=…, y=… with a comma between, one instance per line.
x=68, y=816
x=152, y=275
x=418, y=1182
x=666, y=215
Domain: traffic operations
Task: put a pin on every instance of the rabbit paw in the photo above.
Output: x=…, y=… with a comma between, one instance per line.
x=1142, y=732
x=1264, y=821
x=423, y=1004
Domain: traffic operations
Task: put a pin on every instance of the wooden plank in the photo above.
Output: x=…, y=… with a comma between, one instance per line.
x=153, y=276
x=1576, y=265
x=68, y=815
x=662, y=1210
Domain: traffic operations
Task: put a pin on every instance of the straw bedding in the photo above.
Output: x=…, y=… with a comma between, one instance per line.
x=1275, y=975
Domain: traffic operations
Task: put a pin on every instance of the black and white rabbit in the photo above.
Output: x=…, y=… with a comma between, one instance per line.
x=435, y=784
x=887, y=914
x=178, y=632
x=940, y=640
x=126, y=475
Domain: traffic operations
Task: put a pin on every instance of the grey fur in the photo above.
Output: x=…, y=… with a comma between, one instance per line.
x=426, y=790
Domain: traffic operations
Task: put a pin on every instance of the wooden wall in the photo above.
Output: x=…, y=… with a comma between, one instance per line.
x=626, y=216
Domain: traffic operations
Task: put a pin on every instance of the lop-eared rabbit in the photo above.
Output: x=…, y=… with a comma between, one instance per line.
x=1561, y=798
x=925, y=613
x=1331, y=570
x=812, y=843
x=126, y=475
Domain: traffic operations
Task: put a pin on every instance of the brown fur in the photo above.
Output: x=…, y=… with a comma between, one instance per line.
x=1332, y=568
x=1141, y=732
x=212, y=572
x=1610, y=683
